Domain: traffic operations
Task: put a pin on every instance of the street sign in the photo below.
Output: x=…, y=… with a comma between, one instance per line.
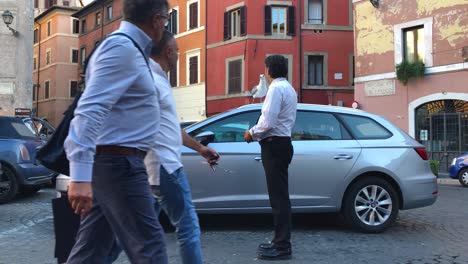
x=22, y=112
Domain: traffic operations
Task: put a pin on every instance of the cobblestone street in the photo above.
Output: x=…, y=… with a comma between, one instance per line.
x=435, y=234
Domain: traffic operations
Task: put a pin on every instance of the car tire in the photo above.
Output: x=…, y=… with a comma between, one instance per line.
x=8, y=177
x=463, y=177
x=370, y=205
x=30, y=190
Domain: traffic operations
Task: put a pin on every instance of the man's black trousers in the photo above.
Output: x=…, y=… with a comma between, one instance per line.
x=277, y=153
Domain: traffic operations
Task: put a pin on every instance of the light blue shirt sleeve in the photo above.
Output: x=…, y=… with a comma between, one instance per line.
x=112, y=70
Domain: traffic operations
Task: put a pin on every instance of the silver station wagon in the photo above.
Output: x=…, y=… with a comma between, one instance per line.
x=345, y=160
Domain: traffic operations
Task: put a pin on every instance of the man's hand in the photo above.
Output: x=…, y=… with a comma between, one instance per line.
x=209, y=154
x=248, y=137
x=80, y=196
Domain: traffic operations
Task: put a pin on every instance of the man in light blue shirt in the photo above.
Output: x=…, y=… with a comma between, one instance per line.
x=115, y=123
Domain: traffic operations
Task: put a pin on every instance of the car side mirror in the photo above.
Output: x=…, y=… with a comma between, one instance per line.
x=205, y=138
x=43, y=137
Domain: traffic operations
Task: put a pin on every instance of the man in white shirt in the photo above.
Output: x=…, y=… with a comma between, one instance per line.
x=273, y=130
x=163, y=163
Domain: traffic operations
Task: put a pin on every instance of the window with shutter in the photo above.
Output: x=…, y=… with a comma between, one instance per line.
x=315, y=74
x=172, y=25
x=49, y=28
x=73, y=88
x=36, y=36
x=74, y=56
x=46, y=90
x=291, y=28
x=193, y=15
x=315, y=12
x=235, y=76
x=76, y=26
x=243, y=21
x=227, y=26
x=36, y=3
x=193, y=70
x=267, y=20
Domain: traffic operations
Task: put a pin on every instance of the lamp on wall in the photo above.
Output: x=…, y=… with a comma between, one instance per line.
x=375, y=3
x=7, y=19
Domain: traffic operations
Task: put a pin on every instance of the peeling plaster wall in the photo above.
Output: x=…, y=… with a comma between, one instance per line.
x=16, y=54
x=374, y=35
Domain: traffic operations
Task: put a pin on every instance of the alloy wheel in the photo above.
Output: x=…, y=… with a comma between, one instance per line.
x=373, y=205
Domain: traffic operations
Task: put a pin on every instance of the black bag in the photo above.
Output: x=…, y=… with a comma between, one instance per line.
x=66, y=225
x=52, y=155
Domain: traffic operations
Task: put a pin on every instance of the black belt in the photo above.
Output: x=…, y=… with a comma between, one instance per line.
x=119, y=151
x=272, y=138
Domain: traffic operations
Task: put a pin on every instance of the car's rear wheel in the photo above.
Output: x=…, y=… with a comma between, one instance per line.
x=463, y=177
x=370, y=205
x=8, y=184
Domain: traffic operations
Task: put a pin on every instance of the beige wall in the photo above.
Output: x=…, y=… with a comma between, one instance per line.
x=375, y=31
x=378, y=48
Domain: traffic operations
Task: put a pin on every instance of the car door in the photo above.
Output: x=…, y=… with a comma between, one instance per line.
x=324, y=153
x=238, y=181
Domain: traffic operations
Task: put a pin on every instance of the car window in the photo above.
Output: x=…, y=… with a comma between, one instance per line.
x=11, y=128
x=318, y=126
x=365, y=128
x=230, y=129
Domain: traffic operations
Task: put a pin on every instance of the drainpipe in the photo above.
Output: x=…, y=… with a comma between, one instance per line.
x=102, y=20
x=38, y=85
x=206, y=58
x=301, y=68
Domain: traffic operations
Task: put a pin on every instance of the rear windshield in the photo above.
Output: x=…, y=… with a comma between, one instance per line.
x=15, y=128
x=365, y=128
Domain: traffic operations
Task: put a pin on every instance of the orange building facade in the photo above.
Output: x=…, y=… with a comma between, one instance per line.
x=55, y=62
x=187, y=22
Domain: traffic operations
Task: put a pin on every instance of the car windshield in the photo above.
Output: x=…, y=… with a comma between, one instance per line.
x=15, y=128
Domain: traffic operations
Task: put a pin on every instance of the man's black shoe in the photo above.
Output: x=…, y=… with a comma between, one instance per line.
x=266, y=246
x=275, y=253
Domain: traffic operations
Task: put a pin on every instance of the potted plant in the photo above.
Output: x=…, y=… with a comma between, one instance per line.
x=407, y=70
x=434, y=164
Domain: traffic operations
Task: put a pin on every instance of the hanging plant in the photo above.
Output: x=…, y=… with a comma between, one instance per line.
x=407, y=70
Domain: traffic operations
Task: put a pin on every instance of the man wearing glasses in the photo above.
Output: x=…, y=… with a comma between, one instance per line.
x=115, y=124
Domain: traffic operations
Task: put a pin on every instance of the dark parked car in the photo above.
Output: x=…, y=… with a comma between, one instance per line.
x=19, y=172
x=40, y=127
x=459, y=169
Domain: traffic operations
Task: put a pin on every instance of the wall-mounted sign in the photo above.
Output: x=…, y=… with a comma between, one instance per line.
x=6, y=88
x=22, y=112
x=338, y=76
x=355, y=105
x=380, y=88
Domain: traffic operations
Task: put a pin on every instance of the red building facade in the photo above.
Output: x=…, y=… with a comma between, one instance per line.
x=314, y=35
x=97, y=20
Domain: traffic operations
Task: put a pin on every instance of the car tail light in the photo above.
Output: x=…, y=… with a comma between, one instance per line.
x=422, y=153
x=24, y=153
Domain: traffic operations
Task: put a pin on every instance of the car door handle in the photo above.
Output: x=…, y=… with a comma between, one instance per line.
x=259, y=159
x=343, y=157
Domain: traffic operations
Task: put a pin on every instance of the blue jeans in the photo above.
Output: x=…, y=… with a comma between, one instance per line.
x=122, y=208
x=176, y=201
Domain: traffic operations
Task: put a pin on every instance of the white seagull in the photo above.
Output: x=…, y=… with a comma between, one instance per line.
x=260, y=89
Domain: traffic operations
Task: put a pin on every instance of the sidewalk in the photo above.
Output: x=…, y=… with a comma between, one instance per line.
x=448, y=181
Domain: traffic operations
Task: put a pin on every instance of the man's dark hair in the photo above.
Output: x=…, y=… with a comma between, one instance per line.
x=142, y=11
x=159, y=47
x=277, y=66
